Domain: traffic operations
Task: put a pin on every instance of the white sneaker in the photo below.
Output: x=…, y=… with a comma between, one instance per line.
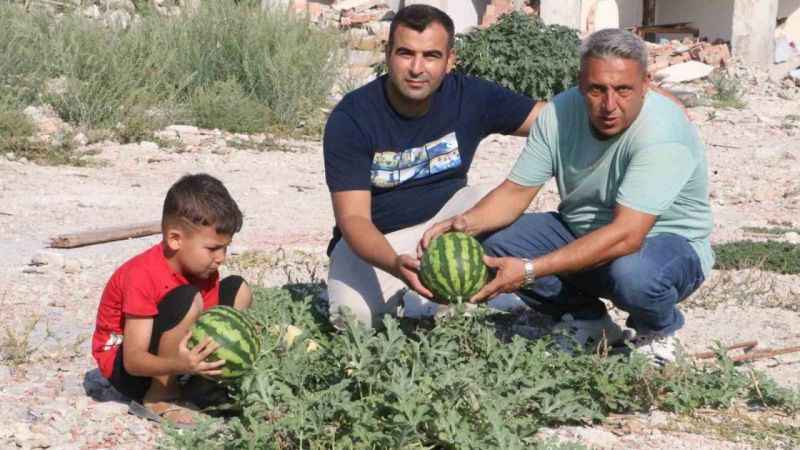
x=587, y=335
x=659, y=350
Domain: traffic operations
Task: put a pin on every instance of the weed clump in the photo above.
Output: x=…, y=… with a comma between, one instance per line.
x=773, y=256
x=728, y=90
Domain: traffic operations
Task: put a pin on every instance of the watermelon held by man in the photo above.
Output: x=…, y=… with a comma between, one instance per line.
x=452, y=267
x=237, y=336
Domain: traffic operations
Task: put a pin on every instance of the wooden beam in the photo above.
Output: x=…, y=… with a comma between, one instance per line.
x=105, y=235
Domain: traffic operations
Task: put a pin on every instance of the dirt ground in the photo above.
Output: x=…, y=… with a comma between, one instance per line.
x=52, y=397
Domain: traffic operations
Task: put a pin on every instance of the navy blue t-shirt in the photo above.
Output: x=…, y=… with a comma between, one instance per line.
x=413, y=166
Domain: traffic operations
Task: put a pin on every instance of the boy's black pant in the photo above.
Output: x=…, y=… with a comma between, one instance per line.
x=171, y=310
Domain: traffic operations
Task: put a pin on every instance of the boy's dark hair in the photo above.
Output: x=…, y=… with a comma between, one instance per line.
x=201, y=200
x=418, y=17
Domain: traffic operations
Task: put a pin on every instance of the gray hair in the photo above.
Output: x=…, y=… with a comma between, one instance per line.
x=613, y=42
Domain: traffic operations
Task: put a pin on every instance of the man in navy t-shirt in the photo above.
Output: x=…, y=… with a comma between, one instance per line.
x=397, y=152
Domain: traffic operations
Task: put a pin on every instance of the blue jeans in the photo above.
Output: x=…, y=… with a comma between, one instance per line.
x=648, y=284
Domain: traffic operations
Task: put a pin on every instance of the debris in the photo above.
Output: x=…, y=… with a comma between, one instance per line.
x=766, y=353
x=72, y=266
x=746, y=346
x=105, y=235
x=795, y=76
x=670, y=53
x=80, y=140
x=358, y=5
x=47, y=258
x=782, y=50
x=687, y=71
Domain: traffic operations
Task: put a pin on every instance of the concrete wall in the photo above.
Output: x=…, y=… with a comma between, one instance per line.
x=562, y=12
x=753, y=36
x=465, y=13
x=630, y=13
x=788, y=7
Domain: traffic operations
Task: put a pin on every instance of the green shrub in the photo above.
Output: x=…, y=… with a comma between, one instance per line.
x=522, y=54
x=728, y=90
x=16, y=130
x=462, y=384
x=773, y=256
x=277, y=58
x=224, y=105
x=138, y=124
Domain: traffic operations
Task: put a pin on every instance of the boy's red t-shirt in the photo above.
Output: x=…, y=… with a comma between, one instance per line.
x=136, y=288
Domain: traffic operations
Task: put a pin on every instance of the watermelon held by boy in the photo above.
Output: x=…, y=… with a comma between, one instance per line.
x=452, y=267
x=238, y=339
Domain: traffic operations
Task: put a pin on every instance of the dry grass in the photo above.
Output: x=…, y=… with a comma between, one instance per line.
x=746, y=287
x=15, y=345
x=278, y=267
x=766, y=429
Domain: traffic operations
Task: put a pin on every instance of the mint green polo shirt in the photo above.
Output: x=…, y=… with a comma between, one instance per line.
x=657, y=166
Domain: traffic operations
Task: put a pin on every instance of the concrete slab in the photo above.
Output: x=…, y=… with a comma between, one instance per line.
x=681, y=73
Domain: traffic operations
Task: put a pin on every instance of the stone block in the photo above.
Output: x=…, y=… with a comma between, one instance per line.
x=364, y=57
x=358, y=5
x=715, y=55
x=367, y=43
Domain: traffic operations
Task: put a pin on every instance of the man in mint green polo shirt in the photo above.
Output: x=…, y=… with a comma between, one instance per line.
x=634, y=220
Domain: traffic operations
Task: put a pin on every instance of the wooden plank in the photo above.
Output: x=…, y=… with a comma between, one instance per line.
x=766, y=353
x=747, y=346
x=101, y=235
x=667, y=29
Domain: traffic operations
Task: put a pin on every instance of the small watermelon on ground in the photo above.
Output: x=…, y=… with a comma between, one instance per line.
x=235, y=333
x=452, y=267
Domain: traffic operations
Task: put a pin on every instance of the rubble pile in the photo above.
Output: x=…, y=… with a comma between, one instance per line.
x=364, y=22
x=677, y=52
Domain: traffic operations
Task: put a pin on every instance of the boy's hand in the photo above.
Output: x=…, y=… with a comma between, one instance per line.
x=194, y=361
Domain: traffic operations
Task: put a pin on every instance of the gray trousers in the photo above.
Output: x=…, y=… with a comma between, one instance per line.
x=370, y=293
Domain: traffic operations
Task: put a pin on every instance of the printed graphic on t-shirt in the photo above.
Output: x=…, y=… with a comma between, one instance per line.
x=392, y=168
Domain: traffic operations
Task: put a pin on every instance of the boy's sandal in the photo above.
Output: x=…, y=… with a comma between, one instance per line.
x=173, y=413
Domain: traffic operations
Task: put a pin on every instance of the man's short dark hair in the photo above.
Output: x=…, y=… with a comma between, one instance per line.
x=201, y=200
x=418, y=18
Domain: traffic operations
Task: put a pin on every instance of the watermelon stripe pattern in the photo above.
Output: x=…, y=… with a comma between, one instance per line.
x=452, y=267
x=235, y=333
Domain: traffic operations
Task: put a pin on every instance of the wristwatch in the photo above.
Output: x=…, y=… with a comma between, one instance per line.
x=530, y=274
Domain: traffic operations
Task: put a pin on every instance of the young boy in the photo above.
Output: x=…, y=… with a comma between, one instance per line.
x=151, y=302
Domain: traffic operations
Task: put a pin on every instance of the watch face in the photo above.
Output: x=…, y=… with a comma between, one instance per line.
x=529, y=274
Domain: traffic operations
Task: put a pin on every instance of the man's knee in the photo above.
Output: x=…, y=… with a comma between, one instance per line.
x=342, y=312
x=638, y=284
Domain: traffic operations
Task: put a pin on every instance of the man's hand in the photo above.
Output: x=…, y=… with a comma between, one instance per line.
x=406, y=268
x=194, y=361
x=455, y=223
x=509, y=278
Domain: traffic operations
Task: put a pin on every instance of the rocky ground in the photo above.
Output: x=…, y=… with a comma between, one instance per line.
x=53, y=398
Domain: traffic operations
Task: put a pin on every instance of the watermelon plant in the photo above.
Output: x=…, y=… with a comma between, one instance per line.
x=237, y=336
x=452, y=267
x=469, y=382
